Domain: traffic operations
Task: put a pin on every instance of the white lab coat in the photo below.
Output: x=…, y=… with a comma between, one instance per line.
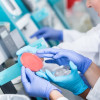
x=86, y=44
x=94, y=93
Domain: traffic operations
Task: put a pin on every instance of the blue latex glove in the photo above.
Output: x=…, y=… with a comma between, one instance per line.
x=71, y=82
x=62, y=57
x=49, y=33
x=26, y=49
x=85, y=81
x=34, y=85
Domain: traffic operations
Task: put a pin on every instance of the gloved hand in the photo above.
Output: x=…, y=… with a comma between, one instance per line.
x=34, y=85
x=62, y=57
x=26, y=49
x=85, y=80
x=49, y=33
x=71, y=82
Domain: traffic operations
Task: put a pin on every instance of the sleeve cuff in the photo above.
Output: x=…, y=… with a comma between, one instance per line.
x=71, y=35
x=94, y=93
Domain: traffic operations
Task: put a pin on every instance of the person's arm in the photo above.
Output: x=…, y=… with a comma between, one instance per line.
x=71, y=35
x=92, y=74
x=85, y=93
x=35, y=86
x=56, y=95
x=93, y=77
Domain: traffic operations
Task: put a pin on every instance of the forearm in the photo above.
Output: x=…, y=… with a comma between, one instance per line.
x=84, y=94
x=69, y=37
x=54, y=95
x=92, y=74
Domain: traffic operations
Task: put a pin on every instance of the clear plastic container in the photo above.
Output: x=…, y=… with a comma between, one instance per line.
x=56, y=69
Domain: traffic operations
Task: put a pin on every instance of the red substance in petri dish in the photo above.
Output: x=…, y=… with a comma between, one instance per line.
x=31, y=61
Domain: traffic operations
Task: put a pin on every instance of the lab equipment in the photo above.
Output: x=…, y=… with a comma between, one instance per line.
x=31, y=61
x=3, y=55
x=30, y=4
x=12, y=41
x=15, y=70
x=43, y=16
x=10, y=74
x=59, y=7
x=28, y=28
x=16, y=13
x=33, y=84
x=25, y=23
x=62, y=57
x=7, y=88
x=6, y=24
x=12, y=7
x=17, y=39
x=46, y=17
x=72, y=82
